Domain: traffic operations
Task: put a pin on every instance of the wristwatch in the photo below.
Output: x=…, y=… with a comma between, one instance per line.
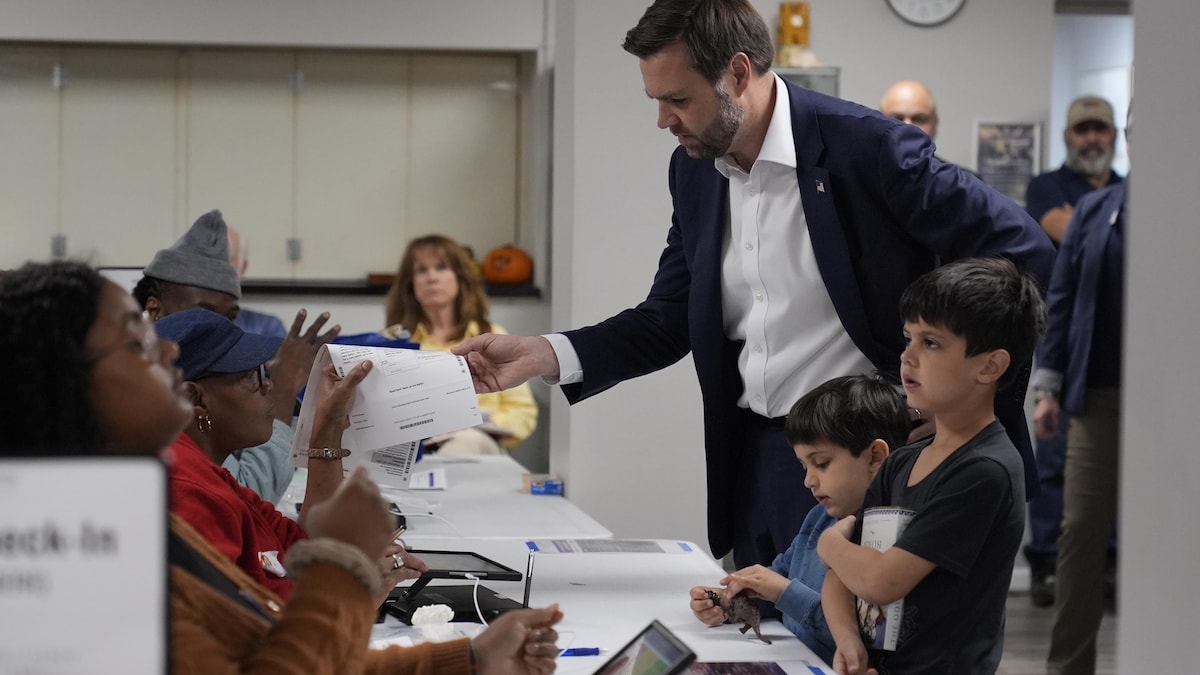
x=328, y=453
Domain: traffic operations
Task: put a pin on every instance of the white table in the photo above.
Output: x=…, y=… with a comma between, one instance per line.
x=483, y=499
x=607, y=598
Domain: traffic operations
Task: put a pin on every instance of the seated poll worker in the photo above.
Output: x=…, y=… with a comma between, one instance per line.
x=98, y=382
x=798, y=220
x=229, y=388
x=438, y=300
x=195, y=272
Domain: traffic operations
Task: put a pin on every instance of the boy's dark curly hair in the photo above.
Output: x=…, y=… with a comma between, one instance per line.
x=46, y=310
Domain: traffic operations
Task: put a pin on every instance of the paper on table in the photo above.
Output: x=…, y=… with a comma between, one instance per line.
x=428, y=479
x=736, y=668
x=607, y=546
x=408, y=395
x=490, y=428
x=386, y=634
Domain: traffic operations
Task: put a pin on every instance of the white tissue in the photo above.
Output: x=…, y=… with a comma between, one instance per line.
x=428, y=615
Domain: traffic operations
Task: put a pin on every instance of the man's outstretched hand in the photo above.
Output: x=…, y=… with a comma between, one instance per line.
x=501, y=362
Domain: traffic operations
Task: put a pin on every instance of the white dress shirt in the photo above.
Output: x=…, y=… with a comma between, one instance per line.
x=772, y=294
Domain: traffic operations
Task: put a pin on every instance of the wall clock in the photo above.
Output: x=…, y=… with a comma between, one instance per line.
x=926, y=13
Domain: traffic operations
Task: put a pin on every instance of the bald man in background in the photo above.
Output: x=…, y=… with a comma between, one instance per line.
x=911, y=102
x=248, y=319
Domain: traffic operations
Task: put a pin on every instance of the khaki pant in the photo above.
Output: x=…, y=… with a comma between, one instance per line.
x=1089, y=517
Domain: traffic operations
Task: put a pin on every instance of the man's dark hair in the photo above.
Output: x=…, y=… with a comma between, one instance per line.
x=987, y=301
x=850, y=412
x=46, y=408
x=711, y=31
x=148, y=287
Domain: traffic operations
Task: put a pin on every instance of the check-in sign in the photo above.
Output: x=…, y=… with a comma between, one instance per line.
x=83, y=566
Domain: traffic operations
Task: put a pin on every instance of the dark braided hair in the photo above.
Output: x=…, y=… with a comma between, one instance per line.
x=46, y=310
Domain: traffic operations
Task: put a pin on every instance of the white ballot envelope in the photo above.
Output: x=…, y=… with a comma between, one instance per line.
x=409, y=394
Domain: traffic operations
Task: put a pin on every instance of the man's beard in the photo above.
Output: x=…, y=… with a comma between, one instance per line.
x=714, y=141
x=1092, y=159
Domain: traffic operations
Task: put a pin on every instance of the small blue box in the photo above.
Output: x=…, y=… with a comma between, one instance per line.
x=546, y=487
x=542, y=484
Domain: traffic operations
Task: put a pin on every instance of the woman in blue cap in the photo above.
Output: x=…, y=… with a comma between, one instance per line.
x=225, y=376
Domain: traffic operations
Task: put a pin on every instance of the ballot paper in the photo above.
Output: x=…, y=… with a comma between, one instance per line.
x=408, y=395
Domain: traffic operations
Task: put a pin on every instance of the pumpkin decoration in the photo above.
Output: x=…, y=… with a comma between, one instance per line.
x=507, y=265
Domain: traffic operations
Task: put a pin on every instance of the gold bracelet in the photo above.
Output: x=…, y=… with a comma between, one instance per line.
x=328, y=453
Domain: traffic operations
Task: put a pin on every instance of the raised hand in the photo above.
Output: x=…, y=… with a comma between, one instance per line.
x=294, y=360
x=330, y=420
x=501, y=362
x=332, y=415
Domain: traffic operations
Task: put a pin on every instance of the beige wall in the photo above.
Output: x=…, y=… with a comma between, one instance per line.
x=408, y=24
x=991, y=61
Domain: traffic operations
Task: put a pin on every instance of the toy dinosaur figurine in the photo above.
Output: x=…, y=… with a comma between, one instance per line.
x=740, y=608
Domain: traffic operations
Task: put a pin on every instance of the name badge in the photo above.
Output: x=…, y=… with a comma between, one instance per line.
x=271, y=564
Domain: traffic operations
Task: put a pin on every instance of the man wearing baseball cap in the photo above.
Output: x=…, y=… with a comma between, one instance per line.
x=1091, y=138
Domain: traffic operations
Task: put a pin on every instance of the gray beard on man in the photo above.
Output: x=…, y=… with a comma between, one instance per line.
x=1092, y=159
x=715, y=140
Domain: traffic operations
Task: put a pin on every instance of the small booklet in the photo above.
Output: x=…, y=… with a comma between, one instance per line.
x=880, y=626
x=408, y=395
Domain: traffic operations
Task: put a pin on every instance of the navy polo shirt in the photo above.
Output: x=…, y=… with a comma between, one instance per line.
x=1055, y=188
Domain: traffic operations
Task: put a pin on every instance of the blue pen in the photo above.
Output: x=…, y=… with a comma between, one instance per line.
x=581, y=651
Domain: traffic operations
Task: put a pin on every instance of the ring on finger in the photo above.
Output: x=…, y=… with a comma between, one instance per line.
x=397, y=562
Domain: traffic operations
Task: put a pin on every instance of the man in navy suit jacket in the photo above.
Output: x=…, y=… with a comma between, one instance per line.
x=799, y=219
x=1079, y=378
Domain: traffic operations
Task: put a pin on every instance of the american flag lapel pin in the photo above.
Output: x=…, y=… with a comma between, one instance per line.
x=820, y=186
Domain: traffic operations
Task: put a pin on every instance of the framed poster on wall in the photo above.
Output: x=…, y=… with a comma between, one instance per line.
x=1007, y=155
